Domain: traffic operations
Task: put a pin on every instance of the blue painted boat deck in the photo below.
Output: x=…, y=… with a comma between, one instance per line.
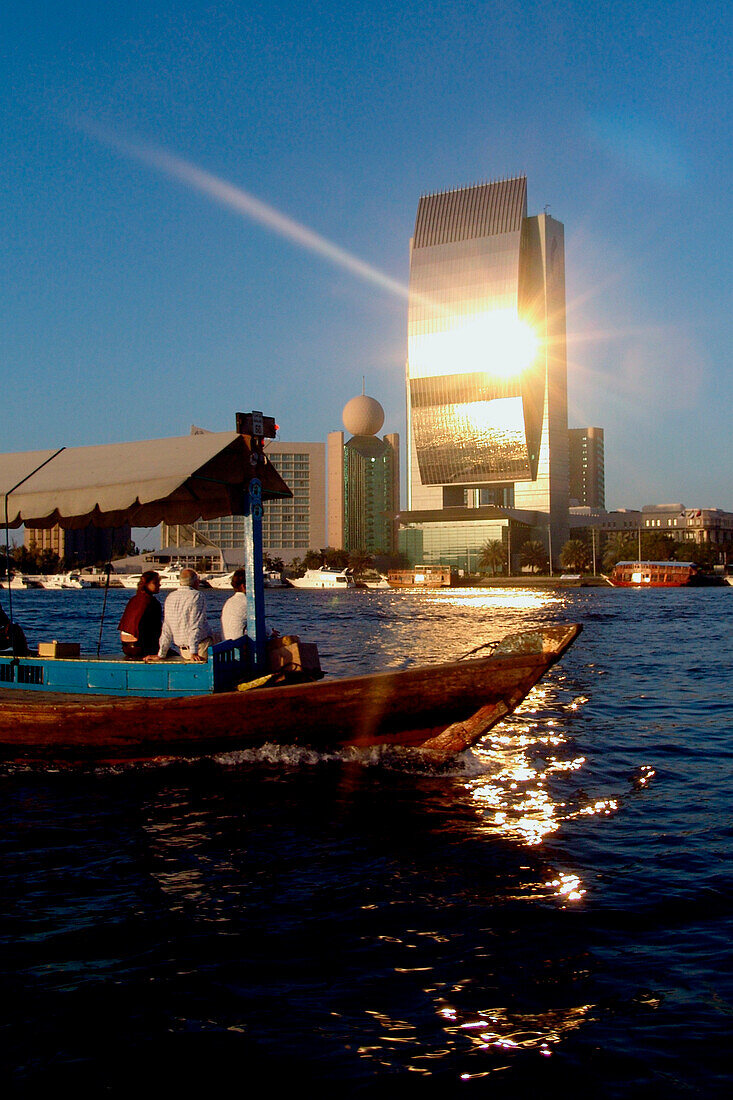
x=228, y=665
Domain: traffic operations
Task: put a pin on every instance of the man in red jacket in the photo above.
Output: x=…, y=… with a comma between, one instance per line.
x=142, y=619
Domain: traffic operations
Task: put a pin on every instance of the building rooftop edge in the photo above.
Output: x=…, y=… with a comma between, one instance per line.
x=468, y=186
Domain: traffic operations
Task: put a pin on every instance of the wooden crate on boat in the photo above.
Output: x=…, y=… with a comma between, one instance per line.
x=59, y=649
x=291, y=655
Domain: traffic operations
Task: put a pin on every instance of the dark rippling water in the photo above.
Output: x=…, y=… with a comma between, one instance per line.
x=552, y=912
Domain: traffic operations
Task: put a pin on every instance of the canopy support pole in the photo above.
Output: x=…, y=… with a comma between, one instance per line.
x=104, y=606
x=256, y=630
x=7, y=525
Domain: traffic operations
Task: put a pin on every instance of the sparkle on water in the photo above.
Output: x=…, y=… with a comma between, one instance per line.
x=555, y=897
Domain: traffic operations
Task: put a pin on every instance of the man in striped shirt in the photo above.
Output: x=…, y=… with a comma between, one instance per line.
x=185, y=626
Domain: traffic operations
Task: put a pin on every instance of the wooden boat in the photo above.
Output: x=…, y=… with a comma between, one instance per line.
x=63, y=708
x=422, y=576
x=655, y=574
x=437, y=709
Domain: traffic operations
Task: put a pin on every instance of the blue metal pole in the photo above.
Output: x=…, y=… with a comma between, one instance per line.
x=255, y=579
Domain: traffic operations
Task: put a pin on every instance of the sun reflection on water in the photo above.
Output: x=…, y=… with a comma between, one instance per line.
x=528, y=785
x=509, y=599
x=500, y=1029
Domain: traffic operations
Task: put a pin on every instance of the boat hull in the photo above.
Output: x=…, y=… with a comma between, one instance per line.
x=440, y=709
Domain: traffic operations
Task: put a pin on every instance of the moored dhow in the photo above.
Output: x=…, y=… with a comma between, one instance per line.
x=655, y=574
x=421, y=576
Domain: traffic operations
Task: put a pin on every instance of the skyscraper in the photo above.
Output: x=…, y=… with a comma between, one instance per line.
x=486, y=369
x=587, y=467
x=363, y=481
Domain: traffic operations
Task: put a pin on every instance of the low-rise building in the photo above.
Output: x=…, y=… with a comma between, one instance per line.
x=701, y=525
x=84, y=546
x=289, y=527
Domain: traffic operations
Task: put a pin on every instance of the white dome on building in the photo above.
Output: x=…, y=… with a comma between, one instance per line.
x=363, y=415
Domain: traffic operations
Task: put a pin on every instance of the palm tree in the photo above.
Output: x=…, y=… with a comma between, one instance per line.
x=619, y=547
x=533, y=555
x=492, y=556
x=336, y=558
x=360, y=561
x=575, y=555
x=313, y=559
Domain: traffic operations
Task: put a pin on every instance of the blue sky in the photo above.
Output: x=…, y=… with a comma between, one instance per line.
x=134, y=304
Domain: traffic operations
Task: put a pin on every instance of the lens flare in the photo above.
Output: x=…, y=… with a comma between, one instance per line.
x=244, y=203
x=499, y=343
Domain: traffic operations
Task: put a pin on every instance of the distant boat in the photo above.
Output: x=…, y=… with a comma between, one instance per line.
x=170, y=577
x=271, y=579
x=218, y=580
x=63, y=580
x=655, y=574
x=16, y=582
x=421, y=576
x=324, y=578
x=374, y=582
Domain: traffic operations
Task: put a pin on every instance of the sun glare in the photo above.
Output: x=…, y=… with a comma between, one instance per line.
x=499, y=343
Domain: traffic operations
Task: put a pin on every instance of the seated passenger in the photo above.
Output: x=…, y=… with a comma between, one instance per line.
x=234, y=611
x=12, y=638
x=185, y=626
x=142, y=619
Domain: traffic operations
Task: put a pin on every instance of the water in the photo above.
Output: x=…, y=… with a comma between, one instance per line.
x=551, y=912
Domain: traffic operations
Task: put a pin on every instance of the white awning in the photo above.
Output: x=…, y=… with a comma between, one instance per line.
x=178, y=480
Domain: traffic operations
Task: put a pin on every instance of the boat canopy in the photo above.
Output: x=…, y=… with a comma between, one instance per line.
x=177, y=480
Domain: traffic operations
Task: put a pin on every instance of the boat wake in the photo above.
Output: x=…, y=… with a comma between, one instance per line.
x=465, y=764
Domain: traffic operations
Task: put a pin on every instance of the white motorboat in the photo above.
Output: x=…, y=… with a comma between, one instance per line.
x=324, y=578
x=15, y=582
x=272, y=579
x=375, y=582
x=219, y=580
x=169, y=577
x=63, y=580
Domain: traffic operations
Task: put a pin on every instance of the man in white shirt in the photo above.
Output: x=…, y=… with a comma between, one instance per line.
x=185, y=625
x=234, y=611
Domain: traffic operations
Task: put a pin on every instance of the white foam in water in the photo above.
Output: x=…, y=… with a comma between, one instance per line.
x=383, y=756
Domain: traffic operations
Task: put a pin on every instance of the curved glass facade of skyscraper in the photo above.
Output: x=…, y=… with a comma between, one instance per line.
x=486, y=370
x=474, y=386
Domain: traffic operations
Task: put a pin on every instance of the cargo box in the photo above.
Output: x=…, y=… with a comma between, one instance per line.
x=59, y=649
x=291, y=655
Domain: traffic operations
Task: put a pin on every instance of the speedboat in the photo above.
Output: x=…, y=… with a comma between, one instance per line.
x=15, y=582
x=169, y=577
x=324, y=578
x=63, y=580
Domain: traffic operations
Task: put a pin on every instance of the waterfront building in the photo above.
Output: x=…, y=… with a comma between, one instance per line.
x=289, y=527
x=694, y=525
x=486, y=374
x=363, y=481
x=586, y=467
x=85, y=546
